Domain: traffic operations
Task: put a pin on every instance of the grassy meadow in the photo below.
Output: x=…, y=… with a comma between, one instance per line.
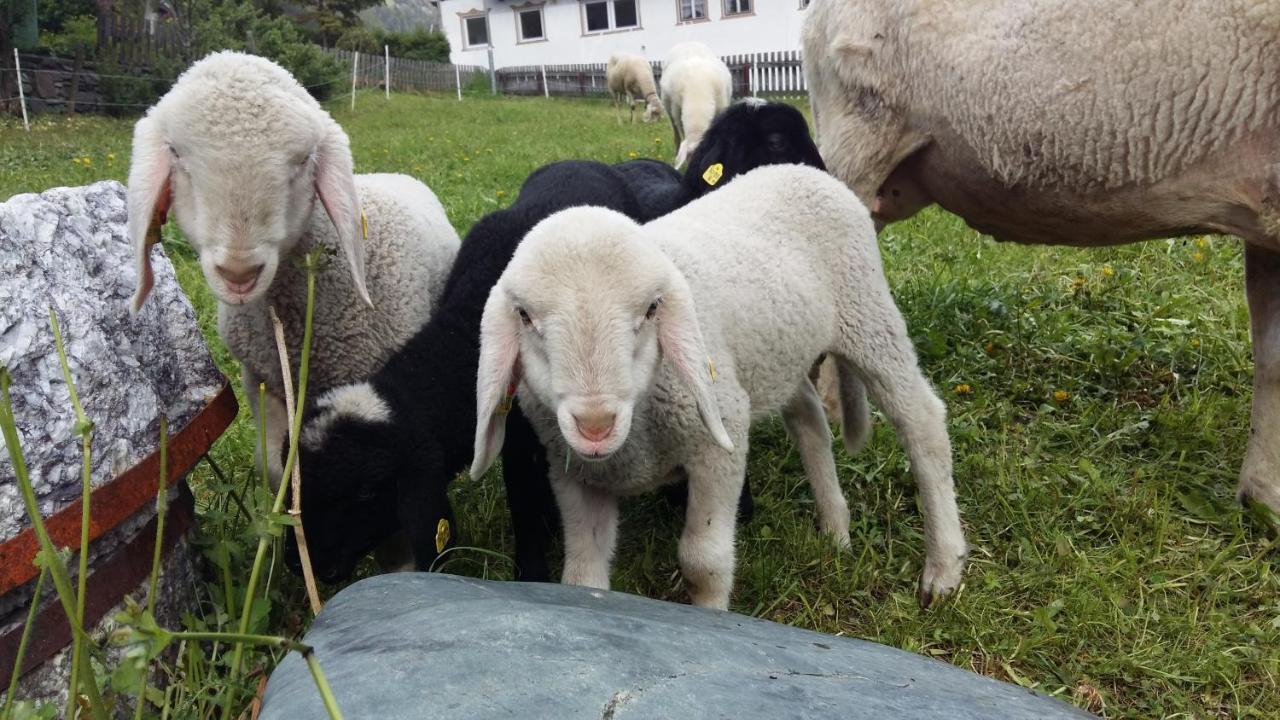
x=1099, y=407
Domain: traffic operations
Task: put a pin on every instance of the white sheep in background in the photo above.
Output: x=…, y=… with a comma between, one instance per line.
x=1085, y=123
x=696, y=86
x=240, y=153
x=626, y=340
x=631, y=76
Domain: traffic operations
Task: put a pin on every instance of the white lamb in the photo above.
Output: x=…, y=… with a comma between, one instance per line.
x=696, y=86
x=626, y=340
x=240, y=153
x=631, y=76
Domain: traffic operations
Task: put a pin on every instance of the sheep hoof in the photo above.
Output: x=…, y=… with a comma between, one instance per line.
x=940, y=581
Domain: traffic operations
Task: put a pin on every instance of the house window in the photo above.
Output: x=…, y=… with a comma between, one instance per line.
x=737, y=7
x=529, y=24
x=691, y=10
x=475, y=30
x=603, y=15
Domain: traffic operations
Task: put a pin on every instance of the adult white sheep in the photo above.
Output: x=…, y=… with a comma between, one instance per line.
x=631, y=77
x=239, y=152
x=624, y=339
x=1084, y=123
x=696, y=86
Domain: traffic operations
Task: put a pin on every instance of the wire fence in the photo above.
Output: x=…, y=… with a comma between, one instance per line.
x=770, y=74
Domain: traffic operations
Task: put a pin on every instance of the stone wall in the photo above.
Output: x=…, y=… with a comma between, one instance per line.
x=47, y=82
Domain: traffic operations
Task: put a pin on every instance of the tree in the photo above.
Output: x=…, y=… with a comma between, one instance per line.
x=330, y=18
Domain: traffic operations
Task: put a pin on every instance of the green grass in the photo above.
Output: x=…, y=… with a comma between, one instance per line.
x=1096, y=451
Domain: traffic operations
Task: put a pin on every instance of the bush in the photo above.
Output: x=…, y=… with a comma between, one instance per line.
x=420, y=44
x=78, y=30
x=239, y=25
x=358, y=39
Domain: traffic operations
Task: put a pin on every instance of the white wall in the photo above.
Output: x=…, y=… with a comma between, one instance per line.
x=774, y=26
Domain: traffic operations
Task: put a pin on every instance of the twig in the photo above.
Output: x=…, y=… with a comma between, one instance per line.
x=304, y=556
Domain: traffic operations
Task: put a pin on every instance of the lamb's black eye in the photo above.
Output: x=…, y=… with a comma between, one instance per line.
x=653, y=309
x=524, y=317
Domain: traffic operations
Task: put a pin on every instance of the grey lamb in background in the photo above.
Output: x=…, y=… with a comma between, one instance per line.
x=1085, y=123
x=257, y=174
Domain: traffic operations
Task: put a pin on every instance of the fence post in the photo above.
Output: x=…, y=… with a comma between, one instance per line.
x=75, y=79
x=546, y=90
x=457, y=80
x=386, y=69
x=22, y=98
x=355, y=64
x=493, y=75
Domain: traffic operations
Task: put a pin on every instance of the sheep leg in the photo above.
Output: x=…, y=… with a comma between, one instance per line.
x=590, y=519
x=529, y=498
x=884, y=359
x=807, y=426
x=706, y=546
x=277, y=427
x=1260, y=474
x=844, y=398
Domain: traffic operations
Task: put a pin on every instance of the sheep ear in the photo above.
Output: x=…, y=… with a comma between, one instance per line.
x=336, y=186
x=149, y=199
x=496, y=379
x=682, y=154
x=681, y=343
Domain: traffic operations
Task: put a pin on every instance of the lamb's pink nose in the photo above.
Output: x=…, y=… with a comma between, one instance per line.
x=240, y=279
x=595, y=426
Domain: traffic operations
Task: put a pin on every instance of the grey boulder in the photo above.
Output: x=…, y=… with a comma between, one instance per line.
x=420, y=645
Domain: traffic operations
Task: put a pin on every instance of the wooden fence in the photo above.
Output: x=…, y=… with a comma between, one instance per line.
x=773, y=74
x=408, y=74
x=138, y=43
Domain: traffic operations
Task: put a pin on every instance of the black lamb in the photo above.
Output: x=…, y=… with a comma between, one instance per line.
x=378, y=456
x=747, y=135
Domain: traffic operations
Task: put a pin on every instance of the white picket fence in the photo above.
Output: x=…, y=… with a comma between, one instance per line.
x=766, y=74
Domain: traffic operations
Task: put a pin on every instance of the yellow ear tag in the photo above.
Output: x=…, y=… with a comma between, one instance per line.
x=364, y=224
x=442, y=535
x=713, y=174
x=711, y=368
x=504, y=407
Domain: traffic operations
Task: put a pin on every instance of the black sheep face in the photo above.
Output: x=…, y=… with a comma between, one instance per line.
x=748, y=135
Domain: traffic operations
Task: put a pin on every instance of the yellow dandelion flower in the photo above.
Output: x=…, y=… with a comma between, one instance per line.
x=633, y=154
x=88, y=160
x=1198, y=256
x=1077, y=283
x=111, y=156
x=1202, y=242
x=1107, y=271
x=502, y=193
x=1195, y=342
x=964, y=389
x=75, y=160
x=1061, y=395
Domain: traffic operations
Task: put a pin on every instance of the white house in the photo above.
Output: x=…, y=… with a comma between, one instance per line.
x=559, y=32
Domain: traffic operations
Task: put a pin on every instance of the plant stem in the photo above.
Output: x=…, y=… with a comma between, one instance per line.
x=322, y=684
x=162, y=506
x=265, y=540
x=22, y=646
x=57, y=569
x=85, y=429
